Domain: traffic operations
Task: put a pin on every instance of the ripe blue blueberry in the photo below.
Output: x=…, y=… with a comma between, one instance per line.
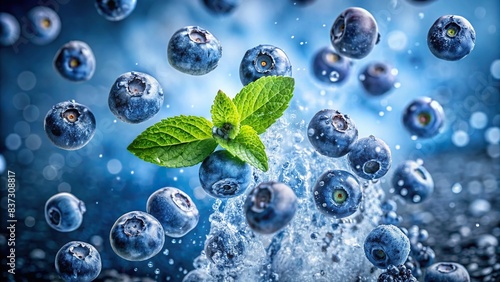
x=378, y=78
x=264, y=60
x=9, y=29
x=174, y=209
x=224, y=176
x=354, y=33
x=78, y=261
x=137, y=236
x=370, y=158
x=194, y=50
x=412, y=182
x=43, y=25
x=135, y=97
x=221, y=7
x=225, y=248
x=75, y=61
x=451, y=38
x=337, y=193
x=70, y=125
x=329, y=67
x=386, y=245
x=115, y=10
x=397, y=274
x=64, y=212
x=424, y=117
x=269, y=207
x=446, y=272
x=332, y=133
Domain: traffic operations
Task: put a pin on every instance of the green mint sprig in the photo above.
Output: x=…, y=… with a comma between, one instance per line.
x=183, y=141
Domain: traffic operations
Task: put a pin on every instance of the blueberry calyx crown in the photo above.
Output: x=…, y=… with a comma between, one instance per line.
x=340, y=195
x=263, y=62
x=261, y=198
x=338, y=28
x=371, y=167
x=452, y=29
x=332, y=57
x=71, y=115
x=198, y=36
x=379, y=254
x=339, y=122
x=80, y=251
x=74, y=63
x=424, y=118
x=134, y=226
x=181, y=201
x=54, y=216
x=111, y=4
x=46, y=23
x=136, y=86
x=377, y=70
x=226, y=186
x=446, y=267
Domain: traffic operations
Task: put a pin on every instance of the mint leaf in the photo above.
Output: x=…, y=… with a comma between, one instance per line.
x=225, y=116
x=263, y=101
x=247, y=146
x=175, y=142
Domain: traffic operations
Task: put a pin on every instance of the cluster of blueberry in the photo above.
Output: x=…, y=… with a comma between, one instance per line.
x=44, y=25
x=135, y=236
x=336, y=193
x=269, y=206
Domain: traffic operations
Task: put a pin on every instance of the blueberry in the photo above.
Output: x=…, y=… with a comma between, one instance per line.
x=194, y=50
x=224, y=176
x=354, y=33
x=386, y=245
x=425, y=256
x=264, y=60
x=78, y=261
x=329, y=67
x=135, y=97
x=115, y=10
x=397, y=274
x=370, y=158
x=75, y=61
x=412, y=182
x=70, y=125
x=424, y=117
x=225, y=248
x=64, y=212
x=451, y=38
x=269, y=207
x=221, y=7
x=337, y=193
x=43, y=25
x=332, y=133
x=174, y=209
x=446, y=272
x=378, y=78
x=137, y=236
x=9, y=29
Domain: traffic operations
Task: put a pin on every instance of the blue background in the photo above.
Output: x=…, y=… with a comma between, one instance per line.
x=111, y=181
